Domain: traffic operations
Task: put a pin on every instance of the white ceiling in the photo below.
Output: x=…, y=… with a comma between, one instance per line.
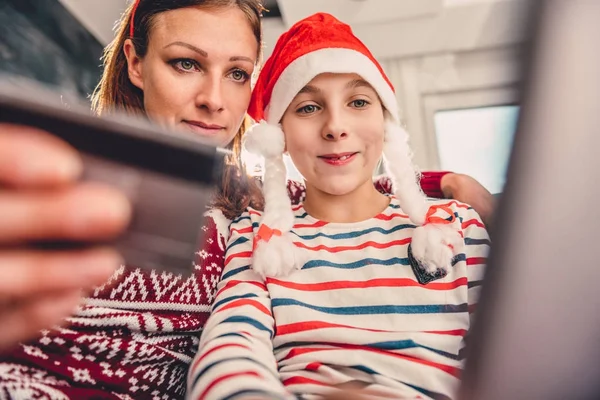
x=384, y=25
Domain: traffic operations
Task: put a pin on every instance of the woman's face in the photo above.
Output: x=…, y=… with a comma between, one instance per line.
x=196, y=73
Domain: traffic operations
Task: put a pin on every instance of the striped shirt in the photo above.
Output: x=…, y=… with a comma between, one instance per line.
x=355, y=313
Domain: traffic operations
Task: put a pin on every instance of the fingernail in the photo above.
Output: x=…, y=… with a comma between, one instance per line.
x=116, y=208
x=109, y=217
x=61, y=169
x=119, y=209
x=68, y=168
x=99, y=265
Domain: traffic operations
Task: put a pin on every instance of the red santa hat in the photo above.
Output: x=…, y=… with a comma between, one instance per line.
x=315, y=45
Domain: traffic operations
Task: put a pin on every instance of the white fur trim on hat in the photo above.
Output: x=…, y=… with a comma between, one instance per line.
x=335, y=60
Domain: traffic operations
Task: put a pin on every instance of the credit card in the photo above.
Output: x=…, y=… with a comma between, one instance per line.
x=169, y=177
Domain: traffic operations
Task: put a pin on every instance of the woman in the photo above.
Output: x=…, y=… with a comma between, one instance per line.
x=185, y=64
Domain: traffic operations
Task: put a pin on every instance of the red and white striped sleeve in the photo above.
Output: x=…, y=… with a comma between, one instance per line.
x=235, y=358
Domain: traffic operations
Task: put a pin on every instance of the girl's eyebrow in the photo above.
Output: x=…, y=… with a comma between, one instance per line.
x=309, y=89
x=355, y=83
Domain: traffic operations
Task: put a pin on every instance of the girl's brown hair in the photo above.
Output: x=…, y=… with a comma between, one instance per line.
x=115, y=92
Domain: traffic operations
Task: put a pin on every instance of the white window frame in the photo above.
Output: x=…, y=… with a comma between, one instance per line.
x=433, y=103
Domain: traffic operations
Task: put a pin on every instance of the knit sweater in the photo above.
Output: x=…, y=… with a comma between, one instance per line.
x=133, y=337
x=355, y=312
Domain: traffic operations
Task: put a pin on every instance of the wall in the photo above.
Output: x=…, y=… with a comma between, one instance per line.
x=98, y=16
x=443, y=55
x=40, y=39
x=429, y=83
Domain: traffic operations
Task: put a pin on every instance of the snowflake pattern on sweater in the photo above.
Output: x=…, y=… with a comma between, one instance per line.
x=133, y=337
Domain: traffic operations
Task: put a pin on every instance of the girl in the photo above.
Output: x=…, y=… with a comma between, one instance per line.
x=352, y=287
x=185, y=64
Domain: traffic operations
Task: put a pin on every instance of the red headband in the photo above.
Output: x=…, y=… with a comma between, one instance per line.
x=135, y=6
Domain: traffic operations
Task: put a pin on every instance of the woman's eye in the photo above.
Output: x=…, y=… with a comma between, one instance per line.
x=359, y=103
x=239, y=76
x=186, y=65
x=307, y=109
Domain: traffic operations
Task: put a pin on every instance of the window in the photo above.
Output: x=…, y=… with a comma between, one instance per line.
x=477, y=142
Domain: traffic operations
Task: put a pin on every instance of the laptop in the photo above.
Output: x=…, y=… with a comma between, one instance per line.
x=536, y=333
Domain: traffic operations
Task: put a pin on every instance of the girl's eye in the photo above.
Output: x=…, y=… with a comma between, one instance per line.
x=239, y=75
x=307, y=109
x=359, y=103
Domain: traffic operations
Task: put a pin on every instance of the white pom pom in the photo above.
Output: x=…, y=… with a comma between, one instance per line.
x=434, y=246
x=265, y=140
x=277, y=257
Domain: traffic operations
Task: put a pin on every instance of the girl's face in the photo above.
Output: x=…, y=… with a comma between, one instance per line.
x=196, y=73
x=334, y=130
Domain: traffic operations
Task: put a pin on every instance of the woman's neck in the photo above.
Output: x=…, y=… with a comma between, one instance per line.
x=361, y=204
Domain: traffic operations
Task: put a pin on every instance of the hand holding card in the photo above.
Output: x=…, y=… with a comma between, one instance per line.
x=38, y=194
x=166, y=176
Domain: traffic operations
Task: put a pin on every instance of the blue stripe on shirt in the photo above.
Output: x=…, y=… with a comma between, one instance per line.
x=250, y=321
x=357, y=264
x=473, y=242
x=231, y=298
x=233, y=272
x=376, y=310
x=355, y=234
x=389, y=346
x=238, y=241
x=365, y=262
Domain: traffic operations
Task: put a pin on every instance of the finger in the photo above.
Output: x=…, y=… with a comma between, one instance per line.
x=88, y=211
x=27, y=274
x=25, y=320
x=33, y=158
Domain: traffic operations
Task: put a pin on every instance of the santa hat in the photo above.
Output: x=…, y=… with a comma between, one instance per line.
x=322, y=44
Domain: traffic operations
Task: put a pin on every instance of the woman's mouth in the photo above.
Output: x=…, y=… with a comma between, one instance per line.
x=338, y=159
x=203, y=129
